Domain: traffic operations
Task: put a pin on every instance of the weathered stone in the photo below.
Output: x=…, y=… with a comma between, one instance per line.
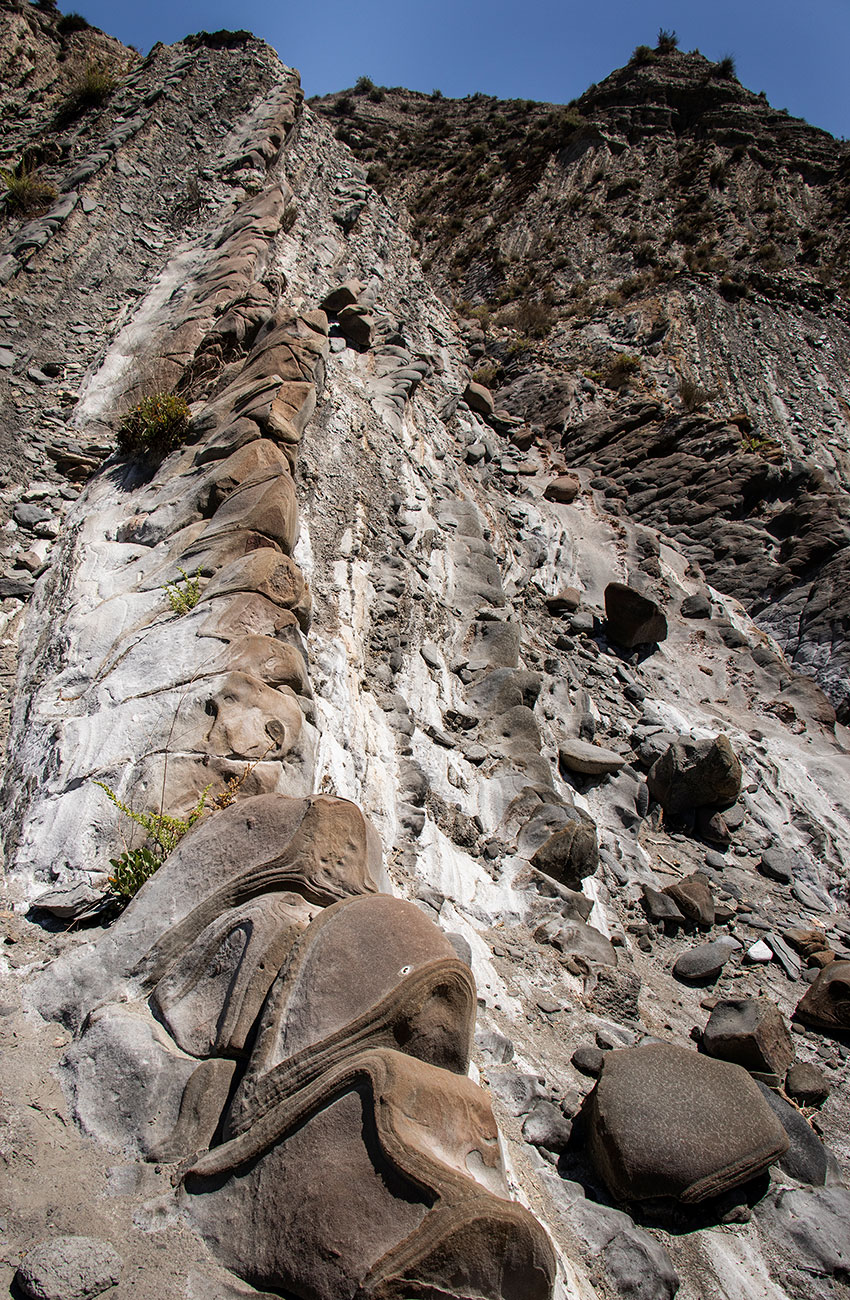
x=571, y=854
x=693, y=897
x=660, y=906
x=826, y=1004
x=546, y=1126
x=665, y=1121
x=806, y=1157
x=696, y=606
x=696, y=774
x=344, y=295
x=813, y=1226
x=588, y=1060
x=777, y=864
x=587, y=759
x=632, y=619
x=705, y=962
x=640, y=1266
x=752, y=1033
x=68, y=1268
x=562, y=490
x=270, y=574
x=565, y=601
x=356, y=326
x=479, y=399
x=806, y=1084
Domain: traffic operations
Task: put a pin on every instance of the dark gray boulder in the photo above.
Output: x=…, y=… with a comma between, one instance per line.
x=806, y=1158
x=668, y=1122
x=696, y=774
x=632, y=619
x=806, y=1084
x=705, y=961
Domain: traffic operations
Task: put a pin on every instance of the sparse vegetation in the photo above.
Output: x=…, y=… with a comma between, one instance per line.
x=725, y=67
x=487, y=375
x=642, y=54
x=534, y=319
x=184, y=594
x=693, y=396
x=72, y=22
x=155, y=427
x=364, y=85
x=621, y=368
x=667, y=41
x=27, y=194
x=135, y=866
x=90, y=90
x=289, y=218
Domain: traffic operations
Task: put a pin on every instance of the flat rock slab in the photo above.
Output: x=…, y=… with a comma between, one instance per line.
x=68, y=1268
x=668, y=1122
x=587, y=759
x=813, y=1224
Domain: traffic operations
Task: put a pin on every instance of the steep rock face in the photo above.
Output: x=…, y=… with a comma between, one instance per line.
x=397, y=655
x=671, y=238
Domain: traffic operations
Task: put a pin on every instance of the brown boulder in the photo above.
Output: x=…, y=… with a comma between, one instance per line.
x=562, y=490
x=826, y=1003
x=696, y=774
x=479, y=399
x=571, y=854
x=693, y=897
x=668, y=1122
x=752, y=1033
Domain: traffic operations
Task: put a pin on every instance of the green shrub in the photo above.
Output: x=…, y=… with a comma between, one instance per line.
x=135, y=866
x=72, y=22
x=26, y=193
x=90, y=90
x=667, y=41
x=184, y=594
x=155, y=427
x=725, y=67
x=642, y=54
x=620, y=369
x=487, y=375
x=534, y=319
x=364, y=85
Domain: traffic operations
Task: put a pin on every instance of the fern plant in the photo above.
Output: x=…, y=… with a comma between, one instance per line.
x=184, y=594
x=135, y=866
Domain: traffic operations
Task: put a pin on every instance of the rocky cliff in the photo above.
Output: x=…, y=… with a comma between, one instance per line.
x=467, y=789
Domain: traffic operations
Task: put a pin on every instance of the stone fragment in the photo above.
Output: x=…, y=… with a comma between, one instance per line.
x=696, y=606
x=479, y=399
x=660, y=906
x=806, y=1158
x=344, y=295
x=68, y=1268
x=696, y=774
x=705, y=962
x=752, y=1033
x=565, y=601
x=826, y=1003
x=571, y=854
x=562, y=490
x=777, y=864
x=632, y=619
x=519, y=1092
x=759, y=953
x=356, y=326
x=806, y=1084
x=788, y=960
x=693, y=897
x=665, y=1121
x=588, y=1060
x=588, y=759
x=546, y=1126
x=640, y=1266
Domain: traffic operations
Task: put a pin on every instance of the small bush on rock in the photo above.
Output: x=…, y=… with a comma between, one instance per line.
x=72, y=22
x=155, y=427
x=91, y=90
x=693, y=396
x=620, y=369
x=667, y=41
x=184, y=594
x=26, y=193
x=643, y=54
x=725, y=67
x=135, y=866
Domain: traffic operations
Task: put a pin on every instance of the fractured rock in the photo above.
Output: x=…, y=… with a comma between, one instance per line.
x=571, y=854
x=752, y=1033
x=696, y=774
x=668, y=1122
x=633, y=619
x=826, y=1003
x=693, y=897
x=813, y=1224
x=68, y=1268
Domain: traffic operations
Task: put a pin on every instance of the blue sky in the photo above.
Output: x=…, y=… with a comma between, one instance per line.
x=796, y=52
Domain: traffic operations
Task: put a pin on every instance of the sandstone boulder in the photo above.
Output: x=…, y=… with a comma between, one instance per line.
x=562, y=490
x=704, y=962
x=693, y=897
x=632, y=619
x=826, y=1004
x=668, y=1122
x=479, y=399
x=696, y=774
x=571, y=854
x=588, y=759
x=806, y=1084
x=752, y=1033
